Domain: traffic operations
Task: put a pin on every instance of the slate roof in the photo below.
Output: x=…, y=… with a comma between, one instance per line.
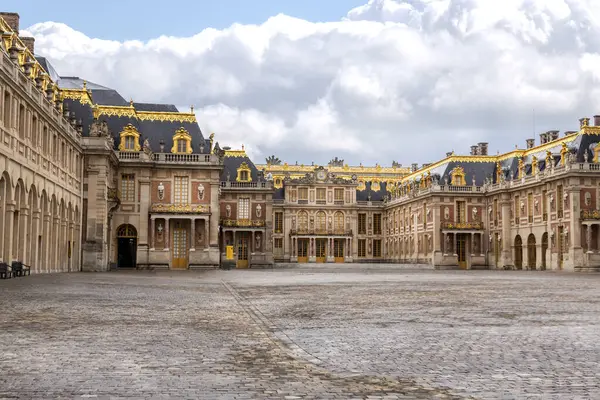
x=231, y=165
x=368, y=194
x=153, y=130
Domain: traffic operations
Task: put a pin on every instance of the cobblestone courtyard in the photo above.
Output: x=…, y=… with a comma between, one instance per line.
x=325, y=333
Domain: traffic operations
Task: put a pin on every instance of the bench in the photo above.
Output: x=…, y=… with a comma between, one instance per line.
x=20, y=269
x=5, y=271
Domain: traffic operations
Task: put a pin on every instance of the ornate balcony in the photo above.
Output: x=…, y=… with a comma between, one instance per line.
x=463, y=226
x=180, y=208
x=590, y=215
x=243, y=223
x=321, y=232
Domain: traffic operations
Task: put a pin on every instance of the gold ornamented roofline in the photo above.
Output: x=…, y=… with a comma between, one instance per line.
x=131, y=112
x=84, y=96
x=378, y=169
x=235, y=153
x=10, y=37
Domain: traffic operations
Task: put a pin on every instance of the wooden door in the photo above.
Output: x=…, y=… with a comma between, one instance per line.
x=302, y=250
x=338, y=250
x=461, y=250
x=242, y=251
x=531, y=256
x=496, y=249
x=518, y=252
x=321, y=248
x=180, y=249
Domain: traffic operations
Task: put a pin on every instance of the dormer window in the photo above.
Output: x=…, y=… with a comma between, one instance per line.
x=130, y=139
x=244, y=173
x=182, y=142
x=458, y=176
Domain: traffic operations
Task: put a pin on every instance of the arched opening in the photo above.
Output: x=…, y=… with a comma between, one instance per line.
x=518, y=252
x=126, y=246
x=531, y=256
x=544, y=249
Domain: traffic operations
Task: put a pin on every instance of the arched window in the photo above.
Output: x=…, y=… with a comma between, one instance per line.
x=338, y=222
x=126, y=231
x=321, y=222
x=303, y=221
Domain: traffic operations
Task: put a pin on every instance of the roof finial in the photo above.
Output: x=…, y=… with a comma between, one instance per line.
x=192, y=109
x=242, y=147
x=131, y=102
x=84, y=85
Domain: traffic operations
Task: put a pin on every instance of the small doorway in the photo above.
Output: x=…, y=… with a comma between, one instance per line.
x=531, y=256
x=518, y=252
x=180, y=247
x=242, y=250
x=461, y=250
x=544, y=249
x=338, y=250
x=321, y=248
x=302, y=250
x=126, y=246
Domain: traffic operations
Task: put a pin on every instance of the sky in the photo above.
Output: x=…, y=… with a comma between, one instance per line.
x=368, y=81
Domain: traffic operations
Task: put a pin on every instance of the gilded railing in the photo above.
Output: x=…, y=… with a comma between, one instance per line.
x=590, y=214
x=321, y=232
x=476, y=225
x=243, y=223
x=180, y=208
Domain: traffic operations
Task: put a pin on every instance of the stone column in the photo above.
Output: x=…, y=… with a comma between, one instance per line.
x=472, y=249
x=455, y=249
x=193, y=234
x=152, y=233
x=214, y=216
x=23, y=239
x=506, y=253
x=34, y=253
x=45, y=259
x=62, y=238
x=145, y=199
x=167, y=230
x=206, y=234
x=55, y=244
x=575, y=251
x=588, y=238
x=8, y=232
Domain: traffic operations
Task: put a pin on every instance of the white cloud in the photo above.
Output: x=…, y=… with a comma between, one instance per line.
x=394, y=80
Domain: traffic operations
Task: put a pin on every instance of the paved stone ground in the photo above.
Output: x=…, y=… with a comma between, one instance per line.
x=357, y=332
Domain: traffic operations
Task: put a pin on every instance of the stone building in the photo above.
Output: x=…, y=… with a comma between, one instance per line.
x=91, y=181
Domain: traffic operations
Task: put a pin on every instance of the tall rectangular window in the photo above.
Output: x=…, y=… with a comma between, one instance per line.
x=377, y=224
x=303, y=194
x=181, y=190
x=544, y=205
x=321, y=193
x=278, y=243
x=34, y=131
x=461, y=211
x=362, y=224
x=244, y=208
x=278, y=222
x=559, y=201
x=22, y=121
x=377, y=248
x=517, y=210
x=362, y=248
x=530, y=207
x=128, y=187
x=338, y=196
x=495, y=212
x=424, y=216
x=6, y=112
x=45, y=139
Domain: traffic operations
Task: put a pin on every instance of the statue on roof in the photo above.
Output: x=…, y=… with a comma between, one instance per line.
x=272, y=160
x=212, y=139
x=99, y=129
x=396, y=164
x=335, y=162
x=146, y=148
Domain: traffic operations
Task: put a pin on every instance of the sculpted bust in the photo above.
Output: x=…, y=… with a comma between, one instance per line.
x=161, y=191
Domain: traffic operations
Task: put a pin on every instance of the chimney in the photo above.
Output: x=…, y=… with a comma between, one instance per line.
x=29, y=42
x=483, y=148
x=473, y=150
x=543, y=138
x=12, y=19
x=425, y=165
x=414, y=167
x=569, y=133
x=530, y=143
x=553, y=135
x=596, y=120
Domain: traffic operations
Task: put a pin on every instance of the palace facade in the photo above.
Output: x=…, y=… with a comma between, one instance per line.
x=92, y=182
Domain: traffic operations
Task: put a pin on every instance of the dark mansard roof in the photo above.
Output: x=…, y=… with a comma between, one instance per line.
x=153, y=128
x=232, y=161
